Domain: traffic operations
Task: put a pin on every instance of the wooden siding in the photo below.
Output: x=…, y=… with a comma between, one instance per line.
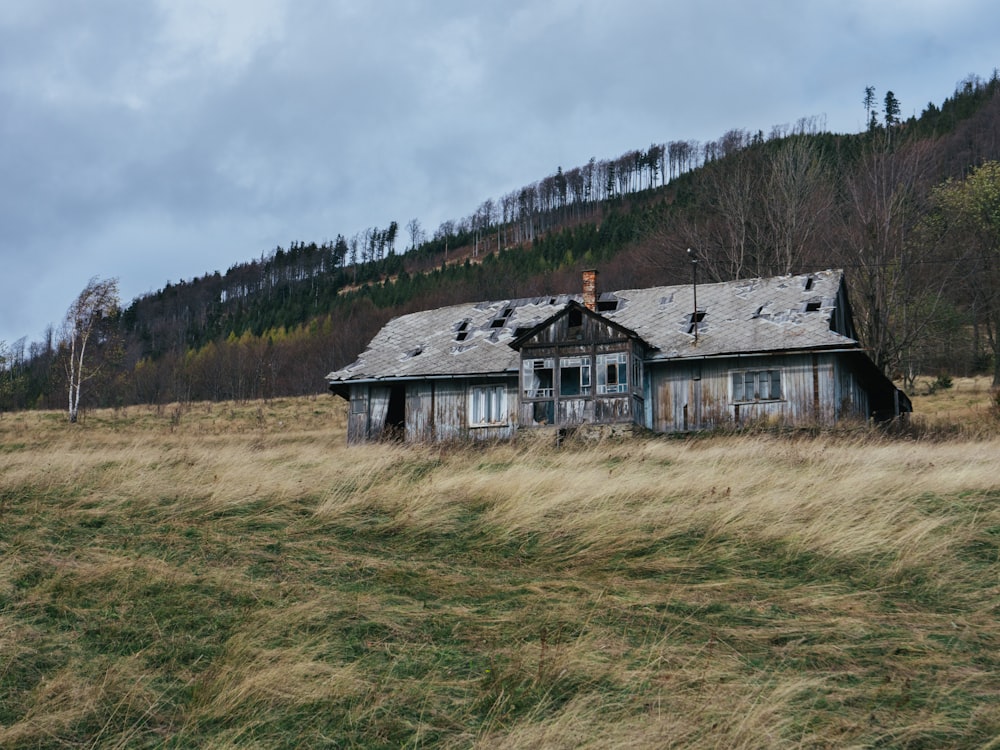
x=698, y=395
x=435, y=410
x=852, y=398
x=357, y=416
x=580, y=334
x=368, y=410
x=420, y=399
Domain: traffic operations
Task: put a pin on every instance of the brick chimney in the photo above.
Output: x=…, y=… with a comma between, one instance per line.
x=590, y=290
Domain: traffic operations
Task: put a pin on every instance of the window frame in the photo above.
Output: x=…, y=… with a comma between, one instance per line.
x=487, y=405
x=584, y=380
x=620, y=361
x=531, y=365
x=740, y=379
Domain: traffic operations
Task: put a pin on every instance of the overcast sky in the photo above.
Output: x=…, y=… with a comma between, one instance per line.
x=159, y=140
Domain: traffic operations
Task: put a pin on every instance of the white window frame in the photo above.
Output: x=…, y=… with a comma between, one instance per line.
x=620, y=361
x=488, y=406
x=581, y=363
x=761, y=381
x=532, y=388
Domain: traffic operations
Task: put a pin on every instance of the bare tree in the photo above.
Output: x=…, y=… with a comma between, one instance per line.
x=731, y=251
x=895, y=296
x=416, y=233
x=797, y=204
x=96, y=304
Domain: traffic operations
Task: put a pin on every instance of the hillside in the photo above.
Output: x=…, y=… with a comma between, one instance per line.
x=225, y=575
x=796, y=200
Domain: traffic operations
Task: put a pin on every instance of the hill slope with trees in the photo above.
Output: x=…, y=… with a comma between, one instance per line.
x=904, y=208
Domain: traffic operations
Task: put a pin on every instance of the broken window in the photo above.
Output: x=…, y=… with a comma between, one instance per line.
x=756, y=385
x=543, y=412
x=537, y=383
x=612, y=373
x=487, y=405
x=538, y=377
x=575, y=318
x=574, y=376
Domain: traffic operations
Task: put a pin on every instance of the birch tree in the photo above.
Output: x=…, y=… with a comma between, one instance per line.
x=96, y=304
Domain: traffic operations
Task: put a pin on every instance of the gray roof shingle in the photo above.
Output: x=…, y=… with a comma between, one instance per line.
x=756, y=315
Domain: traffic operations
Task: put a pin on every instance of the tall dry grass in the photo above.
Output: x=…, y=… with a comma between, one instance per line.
x=234, y=575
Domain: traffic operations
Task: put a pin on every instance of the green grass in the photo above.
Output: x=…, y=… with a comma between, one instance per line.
x=237, y=577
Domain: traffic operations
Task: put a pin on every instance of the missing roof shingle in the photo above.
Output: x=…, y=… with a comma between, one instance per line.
x=694, y=320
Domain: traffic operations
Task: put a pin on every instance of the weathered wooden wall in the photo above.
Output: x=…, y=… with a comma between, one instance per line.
x=581, y=335
x=816, y=390
x=434, y=410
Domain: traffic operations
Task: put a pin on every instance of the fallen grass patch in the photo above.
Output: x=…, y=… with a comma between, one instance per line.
x=234, y=575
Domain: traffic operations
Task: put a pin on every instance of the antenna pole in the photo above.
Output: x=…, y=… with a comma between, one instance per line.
x=694, y=289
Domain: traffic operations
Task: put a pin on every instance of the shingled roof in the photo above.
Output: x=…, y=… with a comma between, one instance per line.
x=783, y=313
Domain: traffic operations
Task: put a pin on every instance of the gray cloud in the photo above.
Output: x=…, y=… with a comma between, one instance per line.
x=159, y=141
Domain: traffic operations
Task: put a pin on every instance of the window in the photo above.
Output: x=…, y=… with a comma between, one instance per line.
x=636, y=374
x=756, y=385
x=574, y=376
x=487, y=405
x=612, y=373
x=538, y=380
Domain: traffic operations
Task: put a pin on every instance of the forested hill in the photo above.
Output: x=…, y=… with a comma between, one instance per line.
x=889, y=205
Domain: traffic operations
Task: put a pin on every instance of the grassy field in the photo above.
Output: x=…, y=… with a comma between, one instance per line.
x=230, y=575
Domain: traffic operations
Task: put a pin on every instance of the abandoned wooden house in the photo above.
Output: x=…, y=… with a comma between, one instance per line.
x=781, y=349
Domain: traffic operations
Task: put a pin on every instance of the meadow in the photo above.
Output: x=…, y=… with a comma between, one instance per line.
x=233, y=575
